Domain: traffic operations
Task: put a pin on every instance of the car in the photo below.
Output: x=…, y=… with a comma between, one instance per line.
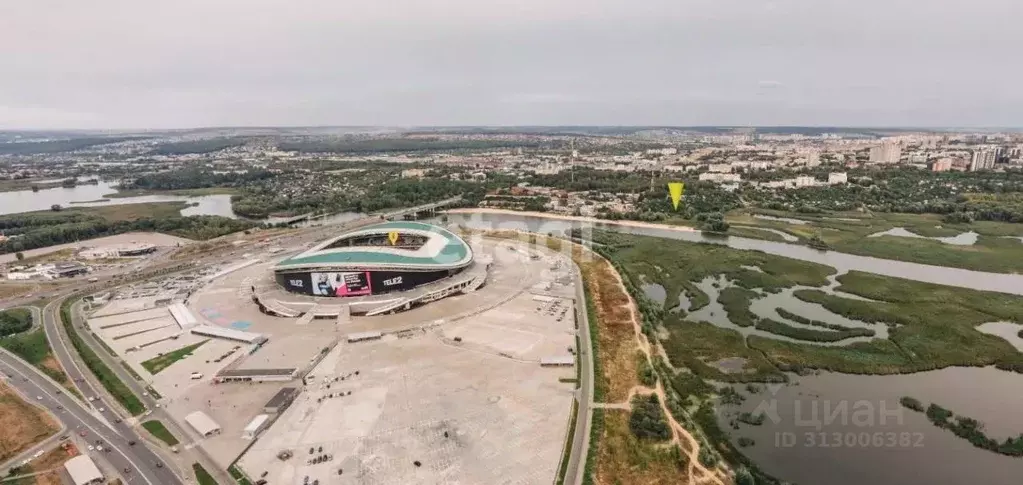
x=92, y=398
x=131, y=442
x=64, y=437
x=102, y=409
x=159, y=465
x=81, y=433
x=39, y=398
x=91, y=447
x=60, y=407
x=117, y=420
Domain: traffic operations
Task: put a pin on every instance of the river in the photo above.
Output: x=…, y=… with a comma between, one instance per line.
x=865, y=436
x=88, y=195
x=1006, y=283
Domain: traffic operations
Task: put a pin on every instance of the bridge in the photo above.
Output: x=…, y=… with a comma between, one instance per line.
x=406, y=213
x=424, y=209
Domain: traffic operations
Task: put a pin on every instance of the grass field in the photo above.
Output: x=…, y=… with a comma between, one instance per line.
x=237, y=475
x=21, y=424
x=104, y=374
x=202, y=476
x=130, y=212
x=157, y=429
x=159, y=363
x=35, y=349
x=931, y=326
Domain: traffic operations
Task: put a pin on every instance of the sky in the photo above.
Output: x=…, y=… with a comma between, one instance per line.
x=134, y=64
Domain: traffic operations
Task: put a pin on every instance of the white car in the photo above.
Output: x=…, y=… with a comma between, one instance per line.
x=102, y=409
x=91, y=447
x=39, y=398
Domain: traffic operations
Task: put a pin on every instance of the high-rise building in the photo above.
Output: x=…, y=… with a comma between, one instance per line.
x=888, y=152
x=983, y=159
x=813, y=158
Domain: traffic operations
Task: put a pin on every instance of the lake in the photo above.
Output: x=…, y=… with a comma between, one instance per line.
x=844, y=429
x=28, y=201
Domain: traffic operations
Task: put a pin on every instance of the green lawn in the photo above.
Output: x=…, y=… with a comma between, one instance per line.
x=35, y=349
x=157, y=429
x=14, y=321
x=238, y=475
x=161, y=362
x=202, y=476
x=104, y=374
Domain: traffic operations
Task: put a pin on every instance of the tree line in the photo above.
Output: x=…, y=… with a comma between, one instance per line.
x=37, y=230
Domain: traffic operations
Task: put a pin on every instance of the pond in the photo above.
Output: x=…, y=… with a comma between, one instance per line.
x=962, y=239
x=781, y=219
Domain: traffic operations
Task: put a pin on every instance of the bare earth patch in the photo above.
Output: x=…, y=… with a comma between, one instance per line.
x=21, y=424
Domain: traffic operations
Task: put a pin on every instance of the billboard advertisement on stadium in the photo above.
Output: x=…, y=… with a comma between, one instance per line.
x=341, y=284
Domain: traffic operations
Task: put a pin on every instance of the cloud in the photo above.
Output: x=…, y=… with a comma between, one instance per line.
x=129, y=64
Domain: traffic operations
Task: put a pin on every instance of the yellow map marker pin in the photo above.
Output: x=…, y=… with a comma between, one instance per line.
x=393, y=237
x=676, y=189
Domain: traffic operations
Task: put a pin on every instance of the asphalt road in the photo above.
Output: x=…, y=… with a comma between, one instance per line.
x=78, y=419
x=581, y=440
x=139, y=458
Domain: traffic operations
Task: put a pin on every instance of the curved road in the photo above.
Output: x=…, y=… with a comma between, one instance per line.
x=79, y=419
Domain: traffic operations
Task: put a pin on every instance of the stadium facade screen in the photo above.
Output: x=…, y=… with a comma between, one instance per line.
x=356, y=283
x=341, y=284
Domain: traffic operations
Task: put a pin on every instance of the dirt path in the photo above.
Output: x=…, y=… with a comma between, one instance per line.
x=696, y=473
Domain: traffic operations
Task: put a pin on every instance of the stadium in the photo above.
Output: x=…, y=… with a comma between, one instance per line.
x=383, y=267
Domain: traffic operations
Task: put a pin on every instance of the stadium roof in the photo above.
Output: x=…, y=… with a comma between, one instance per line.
x=443, y=249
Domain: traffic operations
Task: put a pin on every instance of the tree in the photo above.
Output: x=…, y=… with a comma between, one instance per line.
x=55, y=207
x=20, y=255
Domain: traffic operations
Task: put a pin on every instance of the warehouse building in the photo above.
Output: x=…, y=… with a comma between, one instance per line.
x=83, y=470
x=202, y=424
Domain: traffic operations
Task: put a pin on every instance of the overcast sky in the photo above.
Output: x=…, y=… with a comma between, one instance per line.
x=192, y=63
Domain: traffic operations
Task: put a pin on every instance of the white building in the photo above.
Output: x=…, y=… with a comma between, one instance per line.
x=83, y=471
x=983, y=160
x=662, y=151
x=720, y=167
x=720, y=177
x=202, y=424
x=805, y=181
x=258, y=424
x=813, y=158
x=888, y=152
x=838, y=178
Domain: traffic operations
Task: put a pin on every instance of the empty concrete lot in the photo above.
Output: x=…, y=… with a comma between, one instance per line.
x=462, y=392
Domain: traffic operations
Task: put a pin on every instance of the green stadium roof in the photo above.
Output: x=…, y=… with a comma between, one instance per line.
x=449, y=250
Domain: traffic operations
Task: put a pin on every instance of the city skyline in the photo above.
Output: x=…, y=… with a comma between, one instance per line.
x=119, y=65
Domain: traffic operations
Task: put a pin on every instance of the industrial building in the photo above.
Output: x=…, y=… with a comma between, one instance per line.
x=280, y=401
